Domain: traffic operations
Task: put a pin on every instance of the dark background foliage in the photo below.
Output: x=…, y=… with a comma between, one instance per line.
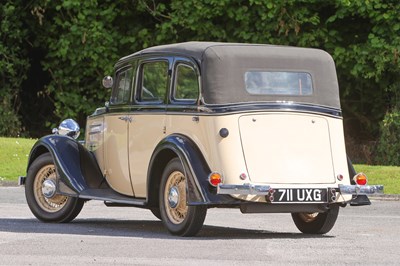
x=53, y=54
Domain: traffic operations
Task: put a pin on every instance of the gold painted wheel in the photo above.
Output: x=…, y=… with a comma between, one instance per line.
x=175, y=197
x=41, y=193
x=317, y=222
x=177, y=216
x=308, y=217
x=49, y=204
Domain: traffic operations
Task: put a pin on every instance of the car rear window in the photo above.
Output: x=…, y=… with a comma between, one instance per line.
x=278, y=83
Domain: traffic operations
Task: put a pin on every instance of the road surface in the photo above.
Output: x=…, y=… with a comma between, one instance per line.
x=129, y=236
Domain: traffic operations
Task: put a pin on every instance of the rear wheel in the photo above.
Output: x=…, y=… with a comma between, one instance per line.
x=41, y=194
x=316, y=223
x=179, y=218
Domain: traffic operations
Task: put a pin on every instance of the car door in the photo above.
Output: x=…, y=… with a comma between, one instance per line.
x=116, y=127
x=147, y=128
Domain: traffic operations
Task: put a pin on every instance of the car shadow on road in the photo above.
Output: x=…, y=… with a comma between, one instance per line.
x=138, y=228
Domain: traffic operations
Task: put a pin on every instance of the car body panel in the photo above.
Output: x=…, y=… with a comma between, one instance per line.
x=281, y=148
x=116, y=155
x=145, y=132
x=94, y=136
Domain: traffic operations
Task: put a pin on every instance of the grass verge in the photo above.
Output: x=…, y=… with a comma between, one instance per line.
x=389, y=176
x=14, y=154
x=15, y=151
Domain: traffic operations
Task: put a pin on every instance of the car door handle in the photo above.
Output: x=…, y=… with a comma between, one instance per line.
x=126, y=118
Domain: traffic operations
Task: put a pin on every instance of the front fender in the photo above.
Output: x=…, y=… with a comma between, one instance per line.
x=76, y=167
x=199, y=191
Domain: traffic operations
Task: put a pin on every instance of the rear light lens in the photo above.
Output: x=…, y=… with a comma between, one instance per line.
x=214, y=179
x=360, y=179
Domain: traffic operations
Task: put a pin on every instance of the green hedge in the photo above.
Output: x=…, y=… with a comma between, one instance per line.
x=53, y=54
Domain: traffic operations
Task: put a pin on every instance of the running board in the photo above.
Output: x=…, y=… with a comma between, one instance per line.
x=110, y=197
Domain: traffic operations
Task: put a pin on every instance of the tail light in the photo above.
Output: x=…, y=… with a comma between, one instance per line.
x=214, y=179
x=360, y=179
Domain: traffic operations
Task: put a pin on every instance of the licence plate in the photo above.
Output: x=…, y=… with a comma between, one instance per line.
x=301, y=195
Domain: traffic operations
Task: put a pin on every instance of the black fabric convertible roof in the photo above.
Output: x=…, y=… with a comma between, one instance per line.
x=223, y=66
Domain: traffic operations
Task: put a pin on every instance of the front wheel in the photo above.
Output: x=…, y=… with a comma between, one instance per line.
x=316, y=223
x=179, y=218
x=41, y=194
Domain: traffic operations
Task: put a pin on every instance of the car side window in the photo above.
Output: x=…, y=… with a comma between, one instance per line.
x=122, y=89
x=154, y=81
x=186, y=83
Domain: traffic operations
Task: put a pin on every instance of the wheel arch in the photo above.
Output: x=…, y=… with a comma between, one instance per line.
x=199, y=191
x=37, y=150
x=76, y=167
x=157, y=166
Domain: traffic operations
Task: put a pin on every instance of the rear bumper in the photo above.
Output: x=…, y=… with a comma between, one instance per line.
x=360, y=190
x=246, y=189
x=251, y=189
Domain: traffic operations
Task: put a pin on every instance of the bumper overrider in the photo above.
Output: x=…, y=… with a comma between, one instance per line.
x=356, y=191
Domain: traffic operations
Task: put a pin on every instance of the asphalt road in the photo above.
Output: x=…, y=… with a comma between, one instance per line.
x=129, y=236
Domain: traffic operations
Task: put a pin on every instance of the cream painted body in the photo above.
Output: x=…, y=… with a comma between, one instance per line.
x=145, y=132
x=123, y=148
x=281, y=149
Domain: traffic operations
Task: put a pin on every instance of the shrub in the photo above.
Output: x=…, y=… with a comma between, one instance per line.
x=388, y=150
x=13, y=66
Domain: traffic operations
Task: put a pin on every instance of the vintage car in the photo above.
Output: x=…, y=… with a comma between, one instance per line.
x=197, y=125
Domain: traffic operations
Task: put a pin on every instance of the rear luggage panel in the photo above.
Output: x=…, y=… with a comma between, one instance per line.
x=287, y=148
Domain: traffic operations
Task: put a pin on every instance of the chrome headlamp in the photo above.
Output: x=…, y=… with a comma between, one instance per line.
x=68, y=127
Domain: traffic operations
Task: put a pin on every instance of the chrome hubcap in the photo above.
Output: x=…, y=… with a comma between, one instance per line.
x=48, y=188
x=173, y=197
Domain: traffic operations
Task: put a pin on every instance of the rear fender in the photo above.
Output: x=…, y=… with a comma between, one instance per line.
x=199, y=191
x=76, y=167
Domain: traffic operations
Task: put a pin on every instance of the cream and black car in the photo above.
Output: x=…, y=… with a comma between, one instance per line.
x=197, y=125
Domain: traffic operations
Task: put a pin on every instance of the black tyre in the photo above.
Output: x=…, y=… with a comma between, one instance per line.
x=316, y=223
x=44, y=202
x=179, y=218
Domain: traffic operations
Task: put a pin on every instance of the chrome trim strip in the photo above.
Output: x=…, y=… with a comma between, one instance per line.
x=360, y=190
x=246, y=189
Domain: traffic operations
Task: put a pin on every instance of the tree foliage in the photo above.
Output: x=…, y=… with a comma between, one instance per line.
x=81, y=40
x=389, y=142
x=13, y=66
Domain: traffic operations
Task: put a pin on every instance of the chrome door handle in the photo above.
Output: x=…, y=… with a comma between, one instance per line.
x=126, y=118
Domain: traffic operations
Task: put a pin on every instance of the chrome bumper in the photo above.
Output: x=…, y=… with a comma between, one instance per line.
x=246, y=189
x=251, y=189
x=360, y=190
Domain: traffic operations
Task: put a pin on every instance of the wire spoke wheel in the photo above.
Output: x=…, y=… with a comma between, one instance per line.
x=308, y=217
x=49, y=204
x=175, y=197
x=317, y=222
x=179, y=218
x=42, y=195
